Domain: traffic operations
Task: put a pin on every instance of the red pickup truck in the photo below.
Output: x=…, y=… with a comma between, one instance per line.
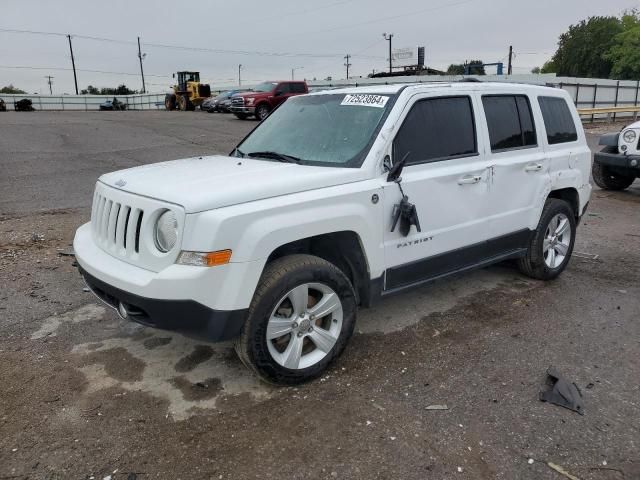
x=265, y=97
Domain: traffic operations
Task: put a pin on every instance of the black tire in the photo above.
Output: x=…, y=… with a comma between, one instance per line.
x=241, y=116
x=608, y=180
x=533, y=263
x=170, y=101
x=184, y=104
x=262, y=111
x=278, y=278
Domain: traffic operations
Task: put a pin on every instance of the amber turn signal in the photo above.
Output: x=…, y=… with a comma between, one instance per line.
x=205, y=259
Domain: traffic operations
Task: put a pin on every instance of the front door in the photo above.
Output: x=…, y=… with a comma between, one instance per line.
x=447, y=178
x=519, y=164
x=281, y=93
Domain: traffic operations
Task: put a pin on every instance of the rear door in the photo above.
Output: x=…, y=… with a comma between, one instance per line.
x=282, y=92
x=519, y=165
x=446, y=178
x=298, y=88
x=570, y=157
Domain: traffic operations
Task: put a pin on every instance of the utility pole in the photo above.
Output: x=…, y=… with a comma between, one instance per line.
x=73, y=64
x=239, y=78
x=388, y=39
x=141, y=56
x=49, y=77
x=293, y=71
x=347, y=57
x=510, y=66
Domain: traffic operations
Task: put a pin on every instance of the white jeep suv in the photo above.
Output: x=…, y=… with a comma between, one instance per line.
x=337, y=199
x=618, y=164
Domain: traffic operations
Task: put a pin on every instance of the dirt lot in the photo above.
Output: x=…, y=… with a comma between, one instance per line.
x=85, y=395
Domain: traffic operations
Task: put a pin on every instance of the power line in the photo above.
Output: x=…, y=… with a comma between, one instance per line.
x=35, y=32
x=250, y=52
x=326, y=65
x=188, y=48
x=310, y=10
x=58, y=34
x=26, y=67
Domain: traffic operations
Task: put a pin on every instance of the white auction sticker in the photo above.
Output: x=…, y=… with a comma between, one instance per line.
x=365, y=100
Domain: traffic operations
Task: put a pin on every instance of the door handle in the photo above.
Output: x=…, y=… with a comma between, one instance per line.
x=533, y=167
x=469, y=179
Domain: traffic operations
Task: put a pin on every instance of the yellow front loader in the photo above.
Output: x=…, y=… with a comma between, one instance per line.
x=188, y=93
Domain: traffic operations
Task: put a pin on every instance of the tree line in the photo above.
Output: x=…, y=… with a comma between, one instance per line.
x=90, y=90
x=599, y=47
x=119, y=90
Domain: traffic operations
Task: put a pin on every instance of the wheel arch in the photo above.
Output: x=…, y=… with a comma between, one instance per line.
x=261, y=103
x=569, y=195
x=344, y=249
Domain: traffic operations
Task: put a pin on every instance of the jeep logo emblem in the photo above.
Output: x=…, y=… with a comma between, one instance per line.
x=120, y=183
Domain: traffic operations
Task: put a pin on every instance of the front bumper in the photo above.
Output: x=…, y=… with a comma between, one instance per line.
x=244, y=110
x=205, y=302
x=618, y=160
x=184, y=316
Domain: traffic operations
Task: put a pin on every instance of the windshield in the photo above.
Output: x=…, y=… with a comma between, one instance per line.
x=265, y=87
x=331, y=129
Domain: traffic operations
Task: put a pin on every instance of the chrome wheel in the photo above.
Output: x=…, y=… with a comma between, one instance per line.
x=262, y=112
x=557, y=240
x=304, y=326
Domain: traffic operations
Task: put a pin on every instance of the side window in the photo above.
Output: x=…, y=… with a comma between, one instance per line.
x=437, y=129
x=284, y=88
x=510, y=121
x=558, y=120
x=297, y=88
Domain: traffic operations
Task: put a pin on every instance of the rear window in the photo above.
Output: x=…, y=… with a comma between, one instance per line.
x=437, y=129
x=298, y=88
x=558, y=120
x=510, y=122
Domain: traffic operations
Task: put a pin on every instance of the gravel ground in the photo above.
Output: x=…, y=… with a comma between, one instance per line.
x=85, y=394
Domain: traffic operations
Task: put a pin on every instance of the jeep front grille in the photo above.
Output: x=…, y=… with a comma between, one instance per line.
x=123, y=225
x=116, y=225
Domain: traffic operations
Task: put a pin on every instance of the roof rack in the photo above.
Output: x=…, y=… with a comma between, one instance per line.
x=470, y=80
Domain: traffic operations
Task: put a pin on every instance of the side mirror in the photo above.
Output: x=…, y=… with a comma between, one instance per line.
x=395, y=170
x=278, y=93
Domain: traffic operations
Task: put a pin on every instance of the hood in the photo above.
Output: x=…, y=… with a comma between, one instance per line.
x=205, y=183
x=253, y=94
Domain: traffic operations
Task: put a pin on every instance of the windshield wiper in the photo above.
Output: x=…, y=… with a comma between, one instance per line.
x=276, y=156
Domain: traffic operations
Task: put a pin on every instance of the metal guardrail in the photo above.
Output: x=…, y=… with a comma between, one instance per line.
x=151, y=101
x=610, y=112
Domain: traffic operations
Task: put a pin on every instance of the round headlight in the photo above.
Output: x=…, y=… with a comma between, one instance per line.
x=629, y=136
x=166, y=234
